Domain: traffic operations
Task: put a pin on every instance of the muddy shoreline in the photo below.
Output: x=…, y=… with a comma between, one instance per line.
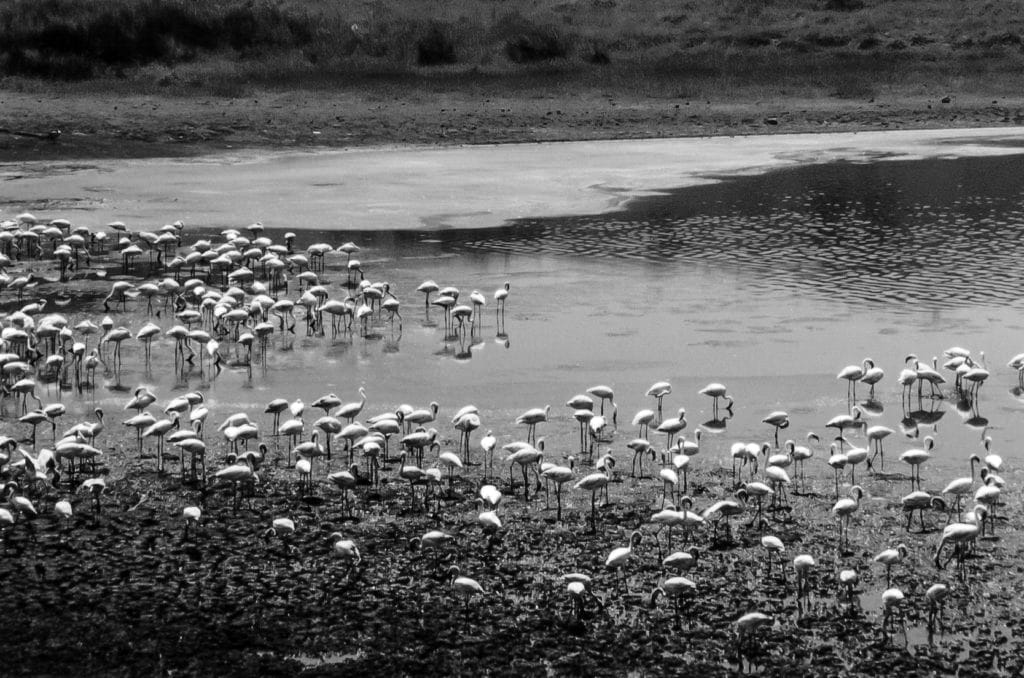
x=139, y=126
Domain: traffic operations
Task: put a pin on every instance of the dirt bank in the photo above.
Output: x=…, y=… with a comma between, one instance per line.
x=97, y=124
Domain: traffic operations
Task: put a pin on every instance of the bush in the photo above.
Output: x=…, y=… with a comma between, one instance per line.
x=844, y=5
x=436, y=47
x=32, y=63
x=530, y=42
x=58, y=38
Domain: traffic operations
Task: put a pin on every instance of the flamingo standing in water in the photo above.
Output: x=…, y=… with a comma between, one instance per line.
x=499, y=299
x=531, y=418
x=659, y=390
x=717, y=391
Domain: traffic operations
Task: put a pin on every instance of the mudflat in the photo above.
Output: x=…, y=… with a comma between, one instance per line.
x=95, y=123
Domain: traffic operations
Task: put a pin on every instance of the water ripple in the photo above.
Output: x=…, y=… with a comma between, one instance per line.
x=925, y=232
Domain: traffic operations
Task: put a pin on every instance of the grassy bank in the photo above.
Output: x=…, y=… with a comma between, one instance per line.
x=180, y=77
x=789, y=42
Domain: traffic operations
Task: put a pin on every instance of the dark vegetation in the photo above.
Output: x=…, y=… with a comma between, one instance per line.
x=274, y=40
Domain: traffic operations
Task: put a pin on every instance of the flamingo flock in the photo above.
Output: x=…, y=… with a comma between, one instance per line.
x=225, y=304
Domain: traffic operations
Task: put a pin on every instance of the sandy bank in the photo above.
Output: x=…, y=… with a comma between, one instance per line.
x=415, y=187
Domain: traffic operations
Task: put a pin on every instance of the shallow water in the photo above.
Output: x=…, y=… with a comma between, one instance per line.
x=769, y=282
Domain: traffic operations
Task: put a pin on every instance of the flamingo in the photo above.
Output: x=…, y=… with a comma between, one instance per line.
x=584, y=417
x=531, y=418
x=892, y=603
x=917, y=456
x=872, y=375
x=146, y=335
x=844, y=510
x=413, y=474
x=158, y=430
x=993, y=461
x=961, y=536
x=676, y=588
x=852, y=374
x=63, y=511
x=500, y=296
x=1017, y=363
x=800, y=454
x=466, y=424
x=772, y=544
x=559, y=475
x=758, y=491
x=961, y=487
x=643, y=419
x=876, y=434
x=463, y=586
x=345, y=550
x=919, y=500
x=434, y=540
x=988, y=496
x=845, y=421
x=744, y=453
x=854, y=456
x=670, y=427
x=238, y=474
x=487, y=444
x=326, y=402
x=451, y=461
x=837, y=461
x=191, y=515
x=936, y=597
x=578, y=587
x=682, y=561
x=717, y=391
x=526, y=457
x=667, y=518
x=748, y=624
x=350, y=411
x=659, y=390
x=490, y=496
x=890, y=557
x=803, y=565
x=594, y=483
x=617, y=559
x=727, y=509
x=640, y=447
x=929, y=374
x=778, y=420
x=606, y=393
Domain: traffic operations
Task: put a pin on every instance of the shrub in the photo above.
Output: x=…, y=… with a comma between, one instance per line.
x=32, y=63
x=436, y=47
x=527, y=41
x=65, y=39
x=844, y=5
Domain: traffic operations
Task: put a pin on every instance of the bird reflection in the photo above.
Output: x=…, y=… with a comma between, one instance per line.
x=464, y=351
x=716, y=425
x=977, y=422
x=391, y=342
x=501, y=338
x=427, y=320
x=928, y=417
x=872, y=407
